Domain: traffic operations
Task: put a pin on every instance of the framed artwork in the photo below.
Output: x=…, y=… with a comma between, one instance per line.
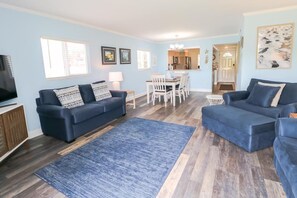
x=125, y=56
x=274, y=48
x=109, y=56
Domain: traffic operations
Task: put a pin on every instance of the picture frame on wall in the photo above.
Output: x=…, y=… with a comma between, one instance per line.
x=125, y=56
x=274, y=46
x=175, y=59
x=109, y=55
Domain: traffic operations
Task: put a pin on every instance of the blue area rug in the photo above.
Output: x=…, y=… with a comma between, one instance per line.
x=131, y=160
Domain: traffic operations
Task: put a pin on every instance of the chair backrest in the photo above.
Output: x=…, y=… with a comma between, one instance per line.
x=158, y=81
x=183, y=81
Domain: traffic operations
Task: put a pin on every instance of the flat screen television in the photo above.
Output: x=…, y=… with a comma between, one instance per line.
x=7, y=83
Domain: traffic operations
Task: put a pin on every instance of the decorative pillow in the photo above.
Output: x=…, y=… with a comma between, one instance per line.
x=278, y=94
x=69, y=97
x=262, y=95
x=101, y=91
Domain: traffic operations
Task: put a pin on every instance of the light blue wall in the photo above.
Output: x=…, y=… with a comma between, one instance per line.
x=248, y=63
x=200, y=80
x=20, y=38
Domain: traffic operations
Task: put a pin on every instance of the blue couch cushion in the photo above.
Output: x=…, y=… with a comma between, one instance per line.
x=242, y=120
x=109, y=104
x=48, y=97
x=285, y=150
x=289, y=94
x=273, y=112
x=262, y=95
x=87, y=93
x=85, y=112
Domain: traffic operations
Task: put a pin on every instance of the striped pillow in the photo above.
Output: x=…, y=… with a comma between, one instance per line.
x=101, y=91
x=69, y=97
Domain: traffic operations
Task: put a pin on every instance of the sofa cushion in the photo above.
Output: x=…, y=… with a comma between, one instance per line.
x=245, y=121
x=262, y=95
x=285, y=150
x=273, y=112
x=101, y=91
x=85, y=112
x=110, y=104
x=277, y=96
x=69, y=97
x=87, y=93
x=48, y=97
x=289, y=94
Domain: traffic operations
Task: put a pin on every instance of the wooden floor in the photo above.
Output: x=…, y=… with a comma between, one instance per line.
x=208, y=167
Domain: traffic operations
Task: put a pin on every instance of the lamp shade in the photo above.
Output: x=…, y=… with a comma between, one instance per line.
x=115, y=76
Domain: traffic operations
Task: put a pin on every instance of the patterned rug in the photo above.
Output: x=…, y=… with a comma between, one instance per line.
x=131, y=160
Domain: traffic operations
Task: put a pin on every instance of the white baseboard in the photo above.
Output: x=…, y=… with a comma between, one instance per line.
x=129, y=98
x=35, y=133
x=201, y=90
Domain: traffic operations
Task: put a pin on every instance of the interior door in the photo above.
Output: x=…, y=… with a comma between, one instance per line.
x=226, y=70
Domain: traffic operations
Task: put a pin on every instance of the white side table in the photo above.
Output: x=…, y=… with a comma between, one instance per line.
x=215, y=99
x=132, y=93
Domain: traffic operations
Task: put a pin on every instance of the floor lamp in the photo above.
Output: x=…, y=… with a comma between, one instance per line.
x=116, y=78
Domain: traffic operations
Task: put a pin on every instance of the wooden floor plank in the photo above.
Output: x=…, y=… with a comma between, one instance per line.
x=209, y=166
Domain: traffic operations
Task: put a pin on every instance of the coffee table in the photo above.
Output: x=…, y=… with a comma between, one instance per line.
x=214, y=99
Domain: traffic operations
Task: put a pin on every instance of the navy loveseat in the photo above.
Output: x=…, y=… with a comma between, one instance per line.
x=249, y=126
x=285, y=154
x=68, y=124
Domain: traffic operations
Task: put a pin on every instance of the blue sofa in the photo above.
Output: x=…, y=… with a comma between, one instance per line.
x=68, y=124
x=285, y=154
x=249, y=126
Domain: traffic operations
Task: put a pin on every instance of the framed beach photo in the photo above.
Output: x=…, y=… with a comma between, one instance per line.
x=125, y=56
x=274, y=48
x=108, y=55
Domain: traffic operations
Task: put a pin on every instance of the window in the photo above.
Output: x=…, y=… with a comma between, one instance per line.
x=143, y=59
x=62, y=58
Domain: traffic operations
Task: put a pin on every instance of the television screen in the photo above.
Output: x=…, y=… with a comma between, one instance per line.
x=7, y=84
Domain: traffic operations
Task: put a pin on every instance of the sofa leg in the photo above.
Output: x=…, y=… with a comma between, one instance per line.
x=124, y=114
x=68, y=142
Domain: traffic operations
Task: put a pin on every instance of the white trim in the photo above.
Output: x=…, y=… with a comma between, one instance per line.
x=201, y=90
x=199, y=38
x=136, y=96
x=270, y=10
x=35, y=133
x=4, y=5
x=11, y=151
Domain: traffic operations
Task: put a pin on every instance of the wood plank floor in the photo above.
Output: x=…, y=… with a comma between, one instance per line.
x=208, y=167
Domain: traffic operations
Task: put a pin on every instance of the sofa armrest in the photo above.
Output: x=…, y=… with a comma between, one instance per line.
x=286, y=110
x=53, y=111
x=234, y=96
x=118, y=93
x=286, y=127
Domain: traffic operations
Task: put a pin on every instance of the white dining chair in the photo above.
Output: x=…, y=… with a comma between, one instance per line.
x=160, y=89
x=181, y=91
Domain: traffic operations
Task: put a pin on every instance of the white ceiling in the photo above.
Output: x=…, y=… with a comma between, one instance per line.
x=155, y=20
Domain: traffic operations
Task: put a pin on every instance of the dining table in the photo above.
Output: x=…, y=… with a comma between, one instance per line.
x=169, y=82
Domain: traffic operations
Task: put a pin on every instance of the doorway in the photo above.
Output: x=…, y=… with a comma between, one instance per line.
x=224, y=67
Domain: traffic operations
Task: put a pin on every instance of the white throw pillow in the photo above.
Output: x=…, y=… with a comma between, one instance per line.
x=69, y=97
x=101, y=91
x=278, y=94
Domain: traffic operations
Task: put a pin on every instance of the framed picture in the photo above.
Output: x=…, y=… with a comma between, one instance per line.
x=274, y=49
x=109, y=56
x=125, y=56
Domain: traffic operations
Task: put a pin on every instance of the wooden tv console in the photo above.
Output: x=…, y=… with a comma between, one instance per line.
x=13, y=129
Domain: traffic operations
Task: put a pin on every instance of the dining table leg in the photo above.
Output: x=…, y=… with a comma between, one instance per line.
x=173, y=94
x=147, y=93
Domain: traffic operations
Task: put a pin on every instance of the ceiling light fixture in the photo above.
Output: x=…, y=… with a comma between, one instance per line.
x=176, y=46
x=227, y=55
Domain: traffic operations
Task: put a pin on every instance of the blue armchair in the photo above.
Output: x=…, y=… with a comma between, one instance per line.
x=285, y=158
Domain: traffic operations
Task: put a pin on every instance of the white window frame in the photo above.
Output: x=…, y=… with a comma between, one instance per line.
x=140, y=63
x=66, y=68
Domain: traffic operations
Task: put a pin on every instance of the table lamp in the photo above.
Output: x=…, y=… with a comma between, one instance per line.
x=116, y=78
